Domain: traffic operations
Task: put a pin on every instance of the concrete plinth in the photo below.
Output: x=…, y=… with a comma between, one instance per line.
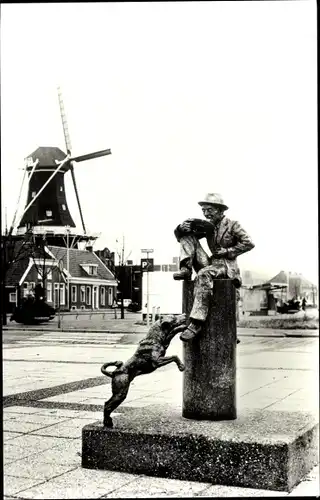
x=209, y=380
x=260, y=449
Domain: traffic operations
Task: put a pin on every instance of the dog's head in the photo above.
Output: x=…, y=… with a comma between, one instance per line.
x=170, y=325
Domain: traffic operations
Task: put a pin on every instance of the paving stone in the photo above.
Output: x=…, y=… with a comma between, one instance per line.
x=25, y=427
x=8, y=436
x=20, y=409
x=66, y=453
x=33, y=442
x=149, y=487
x=12, y=453
x=25, y=468
x=70, y=429
x=80, y=483
x=36, y=418
x=12, y=485
x=220, y=491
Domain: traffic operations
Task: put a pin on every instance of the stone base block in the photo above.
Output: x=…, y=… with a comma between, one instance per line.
x=261, y=449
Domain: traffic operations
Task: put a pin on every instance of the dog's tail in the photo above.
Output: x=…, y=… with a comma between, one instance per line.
x=112, y=363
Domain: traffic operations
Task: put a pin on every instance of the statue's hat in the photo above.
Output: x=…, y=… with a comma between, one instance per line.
x=213, y=199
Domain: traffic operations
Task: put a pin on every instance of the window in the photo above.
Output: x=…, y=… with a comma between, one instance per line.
x=73, y=293
x=63, y=207
x=88, y=295
x=13, y=297
x=110, y=296
x=33, y=194
x=61, y=188
x=82, y=294
x=28, y=288
x=102, y=296
x=47, y=274
x=49, y=292
x=93, y=270
x=62, y=292
x=49, y=213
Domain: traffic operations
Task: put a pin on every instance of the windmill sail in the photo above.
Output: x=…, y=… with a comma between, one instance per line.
x=64, y=122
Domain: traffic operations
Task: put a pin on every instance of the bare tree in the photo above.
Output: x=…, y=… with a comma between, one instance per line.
x=121, y=274
x=13, y=250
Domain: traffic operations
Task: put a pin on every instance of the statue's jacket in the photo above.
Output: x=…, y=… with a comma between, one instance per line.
x=227, y=234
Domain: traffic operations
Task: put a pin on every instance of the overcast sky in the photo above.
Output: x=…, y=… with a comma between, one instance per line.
x=191, y=98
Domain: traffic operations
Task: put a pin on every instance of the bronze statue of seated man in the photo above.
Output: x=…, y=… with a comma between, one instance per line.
x=226, y=240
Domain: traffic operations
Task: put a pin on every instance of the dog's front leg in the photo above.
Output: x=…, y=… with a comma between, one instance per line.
x=171, y=359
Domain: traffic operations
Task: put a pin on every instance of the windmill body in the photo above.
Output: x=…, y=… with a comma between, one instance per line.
x=50, y=209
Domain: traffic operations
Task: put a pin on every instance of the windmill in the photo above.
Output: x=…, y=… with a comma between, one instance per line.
x=46, y=209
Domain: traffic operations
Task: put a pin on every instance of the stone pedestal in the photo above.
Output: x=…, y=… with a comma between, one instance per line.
x=260, y=449
x=209, y=380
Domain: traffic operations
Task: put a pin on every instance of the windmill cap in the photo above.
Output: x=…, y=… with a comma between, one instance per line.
x=213, y=199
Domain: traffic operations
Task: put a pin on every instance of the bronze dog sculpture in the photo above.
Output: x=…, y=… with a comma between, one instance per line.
x=149, y=356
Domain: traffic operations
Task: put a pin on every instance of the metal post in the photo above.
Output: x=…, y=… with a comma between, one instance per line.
x=148, y=285
x=153, y=313
x=68, y=264
x=59, y=316
x=60, y=266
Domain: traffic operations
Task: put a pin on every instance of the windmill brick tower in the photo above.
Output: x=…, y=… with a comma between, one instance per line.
x=50, y=210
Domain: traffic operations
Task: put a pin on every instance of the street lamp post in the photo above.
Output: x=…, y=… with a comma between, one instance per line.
x=147, y=251
x=68, y=266
x=59, y=292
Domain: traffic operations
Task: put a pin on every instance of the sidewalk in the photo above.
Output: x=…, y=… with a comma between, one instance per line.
x=53, y=387
x=129, y=325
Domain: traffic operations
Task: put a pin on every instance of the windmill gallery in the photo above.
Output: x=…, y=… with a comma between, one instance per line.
x=43, y=254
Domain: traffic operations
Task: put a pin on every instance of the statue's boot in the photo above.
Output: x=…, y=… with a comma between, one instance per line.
x=184, y=274
x=191, y=332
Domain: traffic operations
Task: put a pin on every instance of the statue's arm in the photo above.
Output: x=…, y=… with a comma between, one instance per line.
x=243, y=244
x=197, y=227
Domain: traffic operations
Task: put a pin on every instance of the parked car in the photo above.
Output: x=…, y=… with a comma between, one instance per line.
x=134, y=307
x=126, y=302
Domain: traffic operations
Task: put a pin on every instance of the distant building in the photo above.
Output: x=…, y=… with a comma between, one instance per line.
x=91, y=284
x=107, y=257
x=130, y=278
x=264, y=297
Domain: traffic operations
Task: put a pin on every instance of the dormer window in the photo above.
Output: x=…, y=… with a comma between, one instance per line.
x=49, y=213
x=91, y=269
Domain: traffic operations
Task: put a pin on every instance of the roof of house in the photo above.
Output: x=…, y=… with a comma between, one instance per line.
x=19, y=254
x=15, y=272
x=77, y=258
x=282, y=277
